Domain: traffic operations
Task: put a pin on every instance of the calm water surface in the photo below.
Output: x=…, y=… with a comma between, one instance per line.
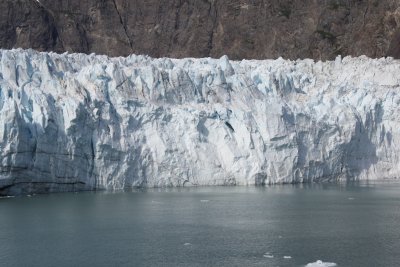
x=351, y=225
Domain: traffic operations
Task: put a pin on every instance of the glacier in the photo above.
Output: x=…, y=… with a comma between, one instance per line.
x=71, y=122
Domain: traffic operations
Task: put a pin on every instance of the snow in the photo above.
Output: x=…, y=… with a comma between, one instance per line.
x=78, y=122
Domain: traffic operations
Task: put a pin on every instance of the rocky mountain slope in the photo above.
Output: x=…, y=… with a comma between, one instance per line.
x=76, y=121
x=256, y=29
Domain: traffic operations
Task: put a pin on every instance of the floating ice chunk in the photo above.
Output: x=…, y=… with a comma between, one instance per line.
x=320, y=263
x=268, y=255
x=351, y=198
x=287, y=257
x=187, y=244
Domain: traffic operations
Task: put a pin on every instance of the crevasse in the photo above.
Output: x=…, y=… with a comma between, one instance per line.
x=84, y=122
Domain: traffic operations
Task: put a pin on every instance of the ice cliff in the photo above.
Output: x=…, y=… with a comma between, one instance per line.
x=82, y=122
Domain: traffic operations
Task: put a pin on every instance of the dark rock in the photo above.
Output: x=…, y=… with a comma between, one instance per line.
x=182, y=28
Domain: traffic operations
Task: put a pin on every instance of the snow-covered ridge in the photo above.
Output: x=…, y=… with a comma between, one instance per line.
x=75, y=121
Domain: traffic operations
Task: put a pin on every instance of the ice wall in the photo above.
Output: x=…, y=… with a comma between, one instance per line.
x=82, y=122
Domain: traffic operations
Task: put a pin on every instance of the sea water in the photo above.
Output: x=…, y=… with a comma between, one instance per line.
x=291, y=225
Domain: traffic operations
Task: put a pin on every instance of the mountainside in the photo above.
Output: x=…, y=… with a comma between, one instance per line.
x=76, y=121
x=256, y=29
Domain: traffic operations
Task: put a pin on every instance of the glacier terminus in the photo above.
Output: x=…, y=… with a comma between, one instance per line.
x=72, y=122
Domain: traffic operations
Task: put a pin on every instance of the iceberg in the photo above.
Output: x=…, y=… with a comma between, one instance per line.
x=71, y=122
x=320, y=263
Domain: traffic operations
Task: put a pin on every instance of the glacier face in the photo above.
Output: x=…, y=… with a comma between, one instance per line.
x=83, y=122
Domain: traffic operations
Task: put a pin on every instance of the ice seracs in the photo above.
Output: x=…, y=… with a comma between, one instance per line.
x=83, y=122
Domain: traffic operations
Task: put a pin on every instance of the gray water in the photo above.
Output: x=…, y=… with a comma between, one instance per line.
x=351, y=225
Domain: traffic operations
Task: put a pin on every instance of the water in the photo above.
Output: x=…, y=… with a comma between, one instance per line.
x=351, y=225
